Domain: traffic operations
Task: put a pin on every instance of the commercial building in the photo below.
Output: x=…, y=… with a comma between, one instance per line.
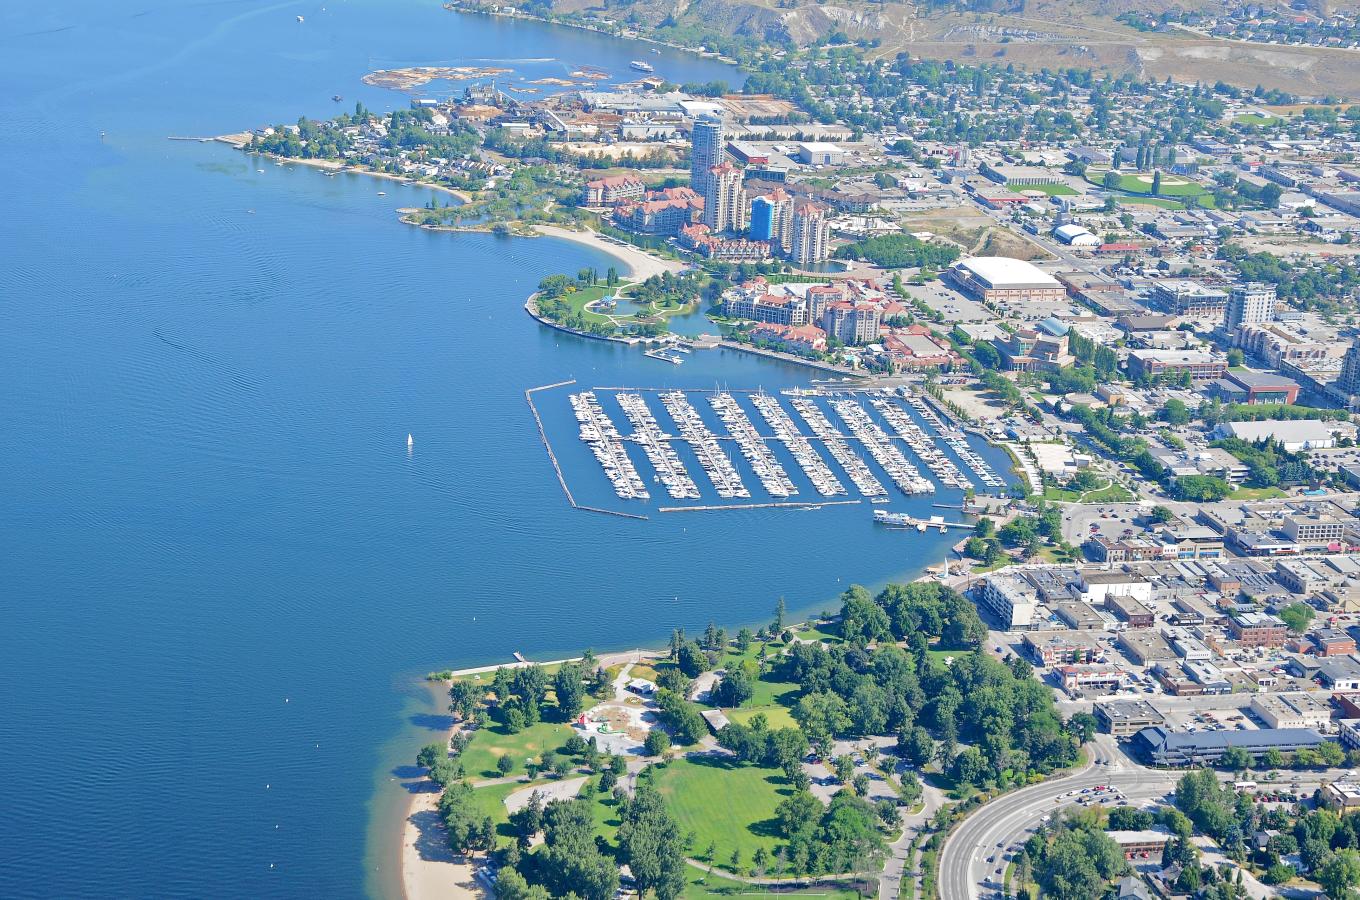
x=1000, y=279
x=811, y=235
x=1012, y=600
x=1104, y=549
x=1091, y=680
x=1191, y=300
x=1313, y=529
x=1341, y=673
x=1064, y=648
x=1140, y=843
x=1123, y=718
x=1250, y=304
x=1298, y=434
x=1201, y=364
x=1259, y=388
x=1097, y=587
x=1349, y=383
x=1075, y=236
x=1254, y=629
x=1169, y=748
x=1332, y=642
x=1130, y=611
x=1292, y=710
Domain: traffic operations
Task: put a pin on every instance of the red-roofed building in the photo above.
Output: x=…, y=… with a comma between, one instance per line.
x=915, y=347
x=616, y=189
x=794, y=338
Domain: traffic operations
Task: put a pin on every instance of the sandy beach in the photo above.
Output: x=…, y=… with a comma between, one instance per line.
x=429, y=868
x=640, y=265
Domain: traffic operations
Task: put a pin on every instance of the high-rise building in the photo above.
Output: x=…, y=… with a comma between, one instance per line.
x=725, y=200
x=705, y=152
x=772, y=219
x=851, y=322
x=1349, y=382
x=1250, y=304
x=811, y=235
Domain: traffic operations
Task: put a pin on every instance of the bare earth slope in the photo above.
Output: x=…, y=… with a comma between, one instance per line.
x=1054, y=33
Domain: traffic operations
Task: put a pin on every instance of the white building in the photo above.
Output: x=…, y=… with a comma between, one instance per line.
x=820, y=153
x=1012, y=600
x=706, y=152
x=1075, y=235
x=1250, y=304
x=724, y=200
x=1096, y=586
x=1295, y=709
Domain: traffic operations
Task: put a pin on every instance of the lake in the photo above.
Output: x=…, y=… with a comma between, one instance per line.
x=223, y=576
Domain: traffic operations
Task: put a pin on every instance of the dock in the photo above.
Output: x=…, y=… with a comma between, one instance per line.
x=552, y=456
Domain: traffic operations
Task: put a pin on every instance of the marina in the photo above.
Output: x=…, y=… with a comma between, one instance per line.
x=808, y=459
x=666, y=355
x=956, y=441
x=714, y=461
x=922, y=444
x=670, y=471
x=603, y=439
x=907, y=477
x=840, y=451
x=771, y=474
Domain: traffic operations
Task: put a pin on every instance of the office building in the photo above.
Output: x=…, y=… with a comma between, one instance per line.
x=1123, y=718
x=1295, y=709
x=772, y=220
x=1253, y=629
x=1250, y=304
x=1191, y=300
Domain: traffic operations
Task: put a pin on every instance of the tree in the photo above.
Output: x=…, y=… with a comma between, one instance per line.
x=734, y=690
x=862, y=620
x=510, y=885
x=1297, y=615
x=1083, y=725
x=1175, y=412
x=779, y=611
x=1339, y=874
x=692, y=659
x=462, y=699
x=431, y=754
x=1235, y=759
x=1161, y=514
x=916, y=746
x=845, y=768
x=1157, y=183
x=1235, y=357
x=651, y=844
x=570, y=862
x=657, y=743
x=569, y=686
x=504, y=764
x=744, y=638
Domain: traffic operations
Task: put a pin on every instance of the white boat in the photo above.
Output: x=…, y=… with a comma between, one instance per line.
x=642, y=65
x=299, y=18
x=410, y=441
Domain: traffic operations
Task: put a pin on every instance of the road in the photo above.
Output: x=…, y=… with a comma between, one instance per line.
x=973, y=861
x=974, y=857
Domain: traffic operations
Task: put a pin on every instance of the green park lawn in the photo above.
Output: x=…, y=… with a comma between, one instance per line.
x=1159, y=202
x=1258, y=119
x=726, y=804
x=491, y=743
x=1172, y=185
x=1112, y=493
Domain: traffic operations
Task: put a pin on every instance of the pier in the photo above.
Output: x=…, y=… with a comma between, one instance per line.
x=835, y=444
x=784, y=504
x=771, y=474
x=714, y=461
x=906, y=476
x=552, y=457
x=598, y=433
x=670, y=471
x=955, y=440
x=817, y=471
x=922, y=444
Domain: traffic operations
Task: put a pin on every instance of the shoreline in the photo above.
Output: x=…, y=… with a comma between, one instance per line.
x=241, y=141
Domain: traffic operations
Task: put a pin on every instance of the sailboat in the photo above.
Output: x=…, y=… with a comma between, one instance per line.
x=410, y=441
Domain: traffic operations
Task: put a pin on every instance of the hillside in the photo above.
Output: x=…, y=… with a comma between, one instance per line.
x=1079, y=33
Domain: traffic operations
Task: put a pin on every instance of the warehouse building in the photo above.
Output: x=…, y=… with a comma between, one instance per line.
x=1003, y=280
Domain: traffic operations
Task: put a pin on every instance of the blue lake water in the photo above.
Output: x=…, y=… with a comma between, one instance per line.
x=221, y=573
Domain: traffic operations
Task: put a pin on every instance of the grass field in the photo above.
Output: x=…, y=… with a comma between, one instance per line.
x=1258, y=119
x=491, y=743
x=1112, y=493
x=1265, y=493
x=730, y=806
x=490, y=801
x=1159, y=202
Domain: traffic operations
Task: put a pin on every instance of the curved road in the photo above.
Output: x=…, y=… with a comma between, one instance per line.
x=1000, y=826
